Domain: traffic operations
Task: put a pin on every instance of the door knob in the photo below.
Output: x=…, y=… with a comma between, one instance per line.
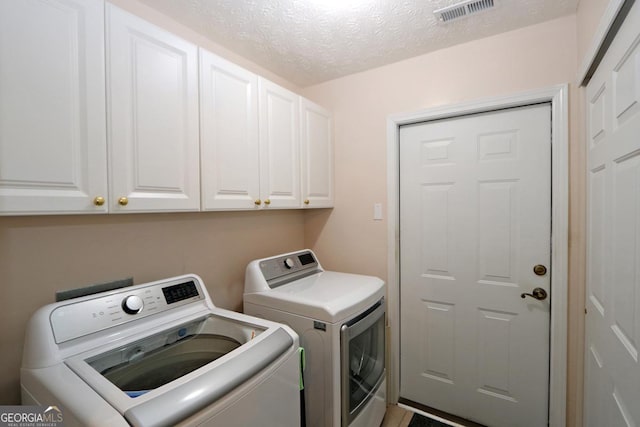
x=538, y=293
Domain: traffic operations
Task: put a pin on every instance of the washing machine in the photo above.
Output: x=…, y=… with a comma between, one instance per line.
x=340, y=319
x=160, y=354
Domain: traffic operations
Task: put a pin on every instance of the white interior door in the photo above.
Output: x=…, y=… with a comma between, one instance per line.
x=612, y=372
x=475, y=210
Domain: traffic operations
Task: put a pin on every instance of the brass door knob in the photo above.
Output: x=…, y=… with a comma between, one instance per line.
x=98, y=201
x=257, y=202
x=123, y=201
x=267, y=202
x=538, y=293
x=306, y=201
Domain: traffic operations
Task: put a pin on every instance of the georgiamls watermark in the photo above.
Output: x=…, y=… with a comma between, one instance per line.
x=31, y=416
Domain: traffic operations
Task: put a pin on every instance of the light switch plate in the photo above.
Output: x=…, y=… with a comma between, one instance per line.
x=377, y=211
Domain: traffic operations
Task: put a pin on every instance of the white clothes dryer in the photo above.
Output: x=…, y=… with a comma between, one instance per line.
x=160, y=354
x=340, y=318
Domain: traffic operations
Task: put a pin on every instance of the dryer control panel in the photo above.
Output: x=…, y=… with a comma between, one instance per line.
x=283, y=269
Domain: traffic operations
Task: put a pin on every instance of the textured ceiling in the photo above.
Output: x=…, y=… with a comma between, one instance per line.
x=311, y=41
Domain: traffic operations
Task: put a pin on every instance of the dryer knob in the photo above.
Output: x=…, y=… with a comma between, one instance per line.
x=132, y=304
x=289, y=263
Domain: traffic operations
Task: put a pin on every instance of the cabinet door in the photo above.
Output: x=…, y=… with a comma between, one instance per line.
x=229, y=148
x=316, y=147
x=52, y=119
x=152, y=92
x=279, y=146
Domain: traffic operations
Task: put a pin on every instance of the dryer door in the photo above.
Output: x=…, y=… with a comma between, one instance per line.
x=362, y=349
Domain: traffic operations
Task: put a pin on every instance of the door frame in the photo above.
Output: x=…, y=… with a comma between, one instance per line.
x=558, y=97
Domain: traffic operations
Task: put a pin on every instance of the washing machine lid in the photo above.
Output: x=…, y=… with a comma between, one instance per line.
x=327, y=296
x=164, y=378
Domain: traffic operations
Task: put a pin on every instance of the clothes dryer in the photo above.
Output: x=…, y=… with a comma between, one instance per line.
x=340, y=319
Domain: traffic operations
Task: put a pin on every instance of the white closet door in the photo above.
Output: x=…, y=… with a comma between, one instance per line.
x=152, y=92
x=612, y=370
x=279, y=146
x=52, y=117
x=230, y=153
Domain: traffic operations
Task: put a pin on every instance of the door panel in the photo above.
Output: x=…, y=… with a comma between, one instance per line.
x=229, y=134
x=475, y=209
x=316, y=153
x=279, y=145
x=153, y=117
x=612, y=372
x=52, y=114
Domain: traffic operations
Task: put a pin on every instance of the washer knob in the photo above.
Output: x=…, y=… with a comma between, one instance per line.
x=289, y=263
x=132, y=304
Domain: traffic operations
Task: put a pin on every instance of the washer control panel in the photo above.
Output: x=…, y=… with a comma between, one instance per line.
x=75, y=319
x=283, y=269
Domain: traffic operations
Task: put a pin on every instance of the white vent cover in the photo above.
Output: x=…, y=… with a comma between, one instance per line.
x=463, y=9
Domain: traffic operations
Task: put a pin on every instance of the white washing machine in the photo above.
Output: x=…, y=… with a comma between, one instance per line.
x=340, y=319
x=160, y=354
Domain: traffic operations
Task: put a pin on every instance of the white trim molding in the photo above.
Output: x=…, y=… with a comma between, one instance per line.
x=558, y=97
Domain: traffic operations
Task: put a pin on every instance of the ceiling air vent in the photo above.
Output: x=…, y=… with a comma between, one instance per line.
x=463, y=9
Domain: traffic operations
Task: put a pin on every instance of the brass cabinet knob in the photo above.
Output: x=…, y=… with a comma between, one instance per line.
x=98, y=201
x=257, y=202
x=123, y=201
x=267, y=202
x=306, y=201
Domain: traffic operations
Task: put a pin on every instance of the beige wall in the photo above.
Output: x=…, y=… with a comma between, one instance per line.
x=40, y=255
x=531, y=58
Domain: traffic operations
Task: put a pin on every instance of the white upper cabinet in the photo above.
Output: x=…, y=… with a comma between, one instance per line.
x=52, y=118
x=152, y=107
x=316, y=145
x=279, y=146
x=101, y=111
x=229, y=145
